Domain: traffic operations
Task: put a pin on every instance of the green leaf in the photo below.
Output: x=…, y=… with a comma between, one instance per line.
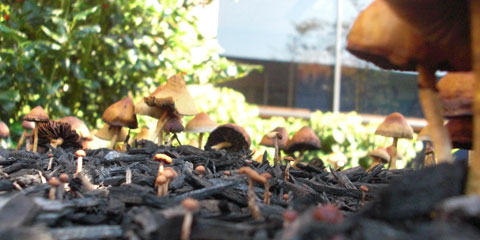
x=81, y=16
x=54, y=36
x=12, y=33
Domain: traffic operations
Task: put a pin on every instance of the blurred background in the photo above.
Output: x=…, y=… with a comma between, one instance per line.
x=260, y=64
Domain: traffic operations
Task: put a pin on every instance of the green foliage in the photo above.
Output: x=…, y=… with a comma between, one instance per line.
x=337, y=132
x=78, y=57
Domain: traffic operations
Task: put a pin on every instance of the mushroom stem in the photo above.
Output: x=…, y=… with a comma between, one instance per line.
x=200, y=140
x=255, y=211
x=287, y=172
x=393, y=158
x=52, y=192
x=22, y=138
x=430, y=101
x=115, y=136
x=221, y=145
x=35, y=138
x=429, y=156
x=159, y=129
x=161, y=168
x=473, y=181
x=50, y=163
x=276, y=159
x=266, y=194
x=186, y=225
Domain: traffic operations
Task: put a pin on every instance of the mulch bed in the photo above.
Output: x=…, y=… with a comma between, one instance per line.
x=399, y=204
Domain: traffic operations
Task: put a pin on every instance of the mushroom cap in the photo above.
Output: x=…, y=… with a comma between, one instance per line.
x=174, y=125
x=282, y=141
x=303, y=139
x=64, y=178
x=174, y=93
x=172, y=171
x=77, y=126
x=190, y=204
x=161, y=179
x=143, y=108
x=444, y=23
x=231, y=133
x=4, y=131
x=160, y=157
x=456, y=93
x=424, y=134
x=27, y=125
x=107, y=132
x=379, y=36
x=381, y=153
x=252, y=174
x=461, y=131
x=395, y=125
x=121, y=114
x=80, y=153
x=143, y=134
x=53, y=181
x=37, y=115
x=201, y=123
x=53, y=130
x=200, y=169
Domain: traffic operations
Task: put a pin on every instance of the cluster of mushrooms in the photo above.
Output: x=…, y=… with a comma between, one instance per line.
x=426, y=36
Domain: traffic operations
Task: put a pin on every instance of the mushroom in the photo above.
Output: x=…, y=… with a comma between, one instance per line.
x=303, y=140
x=64, y=178
x=395, y=126
x=50, y=160
x=266, y=195
x=380, y=36
x=328, y=213
x=162, y=159
x=168, y=102
x=230, y=137
x=107, y=132
x=160, y=181
x=200, y=170
x=190, y=206
x=79, y=127
x=57, y=134
x=144, y=134
x=80, y=154
x=424, y=135
x=201, y=124
x=289, y=216
x=364, y=190
x=289, y=161
x=277, y=138
x=379, y=156
x=170, y=174
x=37, y=115
x=26, y=125
x=252, y=176
x=4, y=132
x=54, y=183
x=118, y=115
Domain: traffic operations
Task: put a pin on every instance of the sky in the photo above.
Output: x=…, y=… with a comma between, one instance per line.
x=264, y=29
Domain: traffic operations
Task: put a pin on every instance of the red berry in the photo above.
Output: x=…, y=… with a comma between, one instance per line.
x=328, y=213
x=6, y=17
x=104, y=5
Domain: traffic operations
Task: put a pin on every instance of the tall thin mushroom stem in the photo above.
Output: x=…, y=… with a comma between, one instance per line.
x=393, y=158
x=276, y=159
x=159, y=129
x=115, y=136
x=432, y=110
x=22, y=138
x=35, y=137
x=200, y=140
x=473, y=182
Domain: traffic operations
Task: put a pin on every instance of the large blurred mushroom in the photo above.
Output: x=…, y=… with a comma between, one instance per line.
x=395, y=125
x=107, y=132
x=118, y=115
x=57, y=134
x=201, y=124
x=379, y=156
x=36, y=115
x=303, y=140
x=380, y=36
x=230, y=137
x=80, y=127
x=170, y=101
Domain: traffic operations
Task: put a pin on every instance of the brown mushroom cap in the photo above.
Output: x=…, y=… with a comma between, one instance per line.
x=201, y=123
x=121, y=114
x=456, y=93
x=461, y=132
x=4, y=131
x=27, y=125
x=190, y=204
x=64, y=178
x=282, y=141
x=160, y=157
x=381, y=37
x=445, y=23
x=77, y=126
x=303, y=139
x=37, y=115
x=53, y=130
x=80, y=153
x=231, y=133
x=107, y=132
x=252, y=174
x=174, y=173
x=200, y=169
x=174, y=93
x=395, y=125
x=53, y=181
x=161, y=179
x=381, y=153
